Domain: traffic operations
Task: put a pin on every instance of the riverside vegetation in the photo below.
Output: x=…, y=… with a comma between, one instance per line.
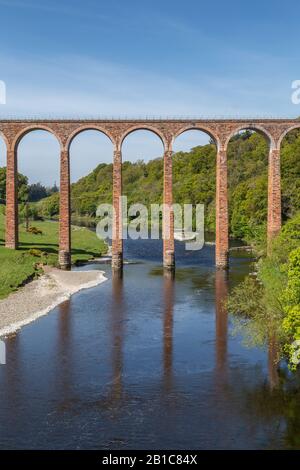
x=266, y=306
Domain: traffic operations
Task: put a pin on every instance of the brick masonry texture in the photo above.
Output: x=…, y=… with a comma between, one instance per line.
x=167, y=130
x=65, y=211
x=117, y=241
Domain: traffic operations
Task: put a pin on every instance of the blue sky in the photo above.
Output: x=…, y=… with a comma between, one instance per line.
x=143, y=58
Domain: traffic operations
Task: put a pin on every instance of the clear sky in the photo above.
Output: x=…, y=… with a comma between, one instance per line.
x=142, y=58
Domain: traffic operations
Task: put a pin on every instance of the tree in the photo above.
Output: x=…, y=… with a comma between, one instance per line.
x=36, y=192
x=22, y=186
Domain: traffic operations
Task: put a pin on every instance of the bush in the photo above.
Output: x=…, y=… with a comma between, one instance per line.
x=291, y=302
x=35, y=231
x=35, y=252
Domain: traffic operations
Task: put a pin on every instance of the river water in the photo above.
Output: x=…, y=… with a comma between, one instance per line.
x=146, y=362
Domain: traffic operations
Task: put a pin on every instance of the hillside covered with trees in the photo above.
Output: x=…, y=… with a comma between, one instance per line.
x=194, y=182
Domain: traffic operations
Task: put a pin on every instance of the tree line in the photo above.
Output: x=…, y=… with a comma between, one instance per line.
x=193, y=182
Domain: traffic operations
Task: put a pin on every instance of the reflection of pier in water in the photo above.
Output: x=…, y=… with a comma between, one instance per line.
x=118, y=310
x=168, y=298
x=221, y=294
x=13, y=371
x=221, y=352
x=273, y=372
x=117, y=334
x=65, y=349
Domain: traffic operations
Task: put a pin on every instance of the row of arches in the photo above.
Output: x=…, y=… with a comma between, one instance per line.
x=39, y=151
x=78, y=139
x=214, y=135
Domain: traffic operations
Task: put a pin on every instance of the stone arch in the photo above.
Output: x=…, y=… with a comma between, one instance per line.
x=12, y=200
x=31, y=132
x=286, y=183
x=89, y=147
x=33, y=128
x=203, y=129
x=253, y=127
x=150, y=136
x=84, y=128
x=285, y=133
x=145, y=127
x=186, y=148
x=266, y=171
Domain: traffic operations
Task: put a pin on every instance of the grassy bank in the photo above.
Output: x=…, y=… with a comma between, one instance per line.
x=18, y=266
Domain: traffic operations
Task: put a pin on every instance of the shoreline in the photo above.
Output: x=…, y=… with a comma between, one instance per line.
x=38, y=297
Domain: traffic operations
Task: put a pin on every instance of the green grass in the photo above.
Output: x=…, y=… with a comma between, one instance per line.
x=17, y=266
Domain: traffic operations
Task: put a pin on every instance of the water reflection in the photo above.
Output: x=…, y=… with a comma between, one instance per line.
x=12, y=371
x=117, y=334
x=273, y=369
x=145, y=361
x=64, y=356
x=221, y=294
x=168, y=298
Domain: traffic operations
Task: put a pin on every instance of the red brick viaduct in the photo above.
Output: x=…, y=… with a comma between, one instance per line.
x=220, y=130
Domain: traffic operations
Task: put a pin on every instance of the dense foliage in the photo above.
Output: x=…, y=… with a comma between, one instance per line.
x=194, y=182
x=267, y=306
x=37, y=191
x=22, y=186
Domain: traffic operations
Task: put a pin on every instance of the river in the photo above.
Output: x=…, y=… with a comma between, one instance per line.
x=146, y=362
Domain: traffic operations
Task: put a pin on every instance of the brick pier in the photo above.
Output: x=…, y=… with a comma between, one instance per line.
x=220, y=131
